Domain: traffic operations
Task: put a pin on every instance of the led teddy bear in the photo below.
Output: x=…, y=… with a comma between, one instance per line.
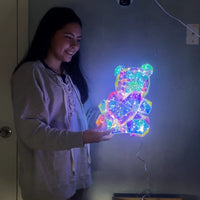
x=126, y=110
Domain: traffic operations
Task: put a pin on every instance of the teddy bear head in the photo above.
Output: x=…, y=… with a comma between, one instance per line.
x=129, y=80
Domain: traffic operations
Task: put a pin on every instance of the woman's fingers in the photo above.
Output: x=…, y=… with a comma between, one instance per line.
x=107, y=137
x=95, y=135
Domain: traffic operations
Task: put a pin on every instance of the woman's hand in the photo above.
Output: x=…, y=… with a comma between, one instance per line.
x=96, y=135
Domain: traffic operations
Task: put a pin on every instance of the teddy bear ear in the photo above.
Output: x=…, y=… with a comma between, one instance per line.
x=148, y=69
x=118, y=69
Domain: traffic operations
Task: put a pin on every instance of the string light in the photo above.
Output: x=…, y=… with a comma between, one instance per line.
x=126, y=110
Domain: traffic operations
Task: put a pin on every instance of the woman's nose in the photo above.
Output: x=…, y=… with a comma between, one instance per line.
x=74, y=43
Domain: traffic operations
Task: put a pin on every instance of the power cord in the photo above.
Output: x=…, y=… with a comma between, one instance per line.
x=175, y=18
x=147, y=191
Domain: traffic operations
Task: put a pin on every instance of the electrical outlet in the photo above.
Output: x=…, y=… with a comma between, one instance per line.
x=191, y=37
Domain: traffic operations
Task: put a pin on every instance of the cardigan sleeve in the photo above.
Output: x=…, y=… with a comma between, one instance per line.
x=31, y=115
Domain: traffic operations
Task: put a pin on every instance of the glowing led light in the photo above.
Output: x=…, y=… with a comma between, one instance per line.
x=126, y=110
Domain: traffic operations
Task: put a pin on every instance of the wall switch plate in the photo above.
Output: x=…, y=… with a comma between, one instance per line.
x=191, y=38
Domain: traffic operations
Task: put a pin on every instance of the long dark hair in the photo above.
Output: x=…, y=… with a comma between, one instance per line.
x=55, y=19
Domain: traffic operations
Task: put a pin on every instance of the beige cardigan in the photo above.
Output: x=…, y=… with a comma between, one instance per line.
x=49, y=120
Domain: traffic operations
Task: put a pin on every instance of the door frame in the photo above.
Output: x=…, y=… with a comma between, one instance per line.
x=22, y=46
x=22, y=28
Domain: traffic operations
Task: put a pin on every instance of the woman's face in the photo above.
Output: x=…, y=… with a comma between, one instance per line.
x=65, y=43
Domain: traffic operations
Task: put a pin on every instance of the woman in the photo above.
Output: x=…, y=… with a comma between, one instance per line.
x=48, y=91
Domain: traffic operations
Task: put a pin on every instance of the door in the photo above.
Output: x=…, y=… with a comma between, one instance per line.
x=13, y=27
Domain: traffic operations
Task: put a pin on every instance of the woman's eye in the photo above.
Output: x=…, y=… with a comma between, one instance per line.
x=68, y=37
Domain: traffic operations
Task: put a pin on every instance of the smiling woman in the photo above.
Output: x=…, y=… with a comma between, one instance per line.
x=64, y=44
x=48, y=93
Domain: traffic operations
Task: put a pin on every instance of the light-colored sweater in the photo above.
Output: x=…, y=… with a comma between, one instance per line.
x=49, y=120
